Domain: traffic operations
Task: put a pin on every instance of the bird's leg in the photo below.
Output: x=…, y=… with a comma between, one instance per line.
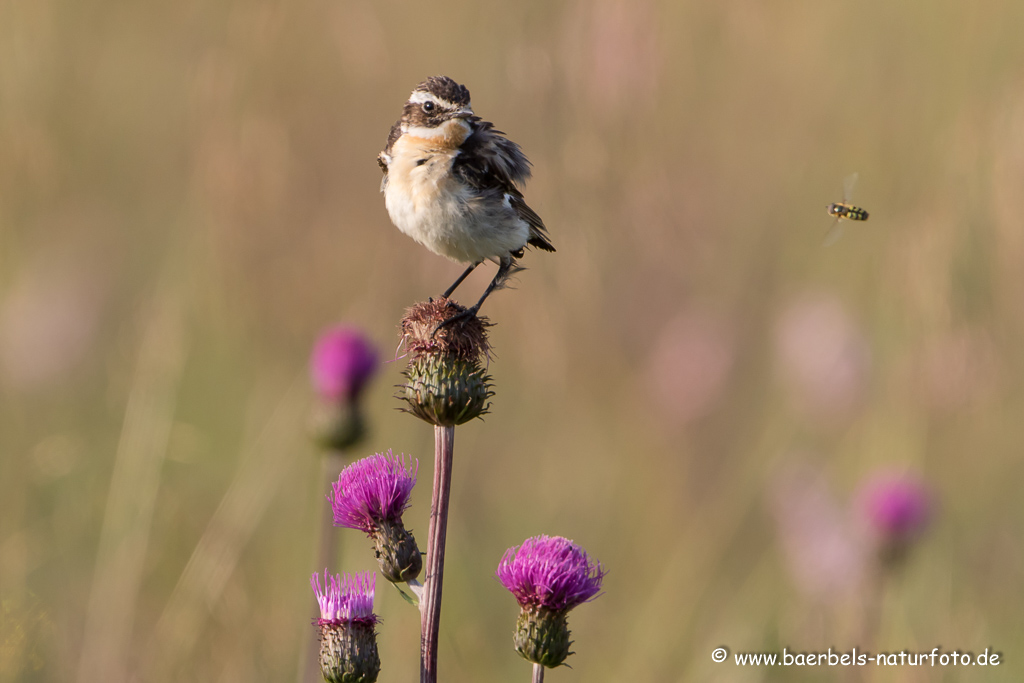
x=504, y=270
x=448, y=292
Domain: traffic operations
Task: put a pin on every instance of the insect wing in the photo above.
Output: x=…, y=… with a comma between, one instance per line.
x=834, y=233
x=848, y=184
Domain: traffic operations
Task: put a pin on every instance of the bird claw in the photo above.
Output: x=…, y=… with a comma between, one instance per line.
x=462, y=315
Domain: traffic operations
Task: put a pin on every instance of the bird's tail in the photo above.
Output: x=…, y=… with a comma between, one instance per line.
x=540, y=240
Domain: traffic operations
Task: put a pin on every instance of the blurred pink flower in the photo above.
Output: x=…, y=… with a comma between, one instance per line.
x=820, y=546
x=48, y=320
x=690, y=364
x=824, y=356
x=895, y=507
x=611, y=53
x=343, y=361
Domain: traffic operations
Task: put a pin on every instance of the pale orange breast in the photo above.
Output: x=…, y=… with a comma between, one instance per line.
x=420, y=170
x=446, y=137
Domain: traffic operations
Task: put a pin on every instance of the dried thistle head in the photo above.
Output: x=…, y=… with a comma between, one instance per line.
x=447, y=380
x=465, y=338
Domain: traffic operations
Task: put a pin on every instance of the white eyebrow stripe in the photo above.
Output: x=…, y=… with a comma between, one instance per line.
x=420, y=96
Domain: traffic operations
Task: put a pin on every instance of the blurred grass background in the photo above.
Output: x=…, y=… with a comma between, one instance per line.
x=188, y=195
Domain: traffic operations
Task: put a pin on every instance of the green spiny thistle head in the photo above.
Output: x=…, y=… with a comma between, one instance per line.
x=397, y=553
x=447, y=382
x=348, y=653
x=542, y=635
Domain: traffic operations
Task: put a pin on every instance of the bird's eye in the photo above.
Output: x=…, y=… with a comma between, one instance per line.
x=428, y=107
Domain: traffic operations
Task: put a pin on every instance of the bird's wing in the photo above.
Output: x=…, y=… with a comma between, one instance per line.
x=487, y=158
x=384, y=158
x=493, y=164
x=538, y=232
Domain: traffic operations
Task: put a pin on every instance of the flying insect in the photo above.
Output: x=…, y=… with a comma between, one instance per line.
x=844, y=210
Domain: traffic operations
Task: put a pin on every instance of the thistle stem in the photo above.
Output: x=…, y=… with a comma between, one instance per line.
x=871, y=618
x=430, y=604
x=331, y=464
x=538, y=673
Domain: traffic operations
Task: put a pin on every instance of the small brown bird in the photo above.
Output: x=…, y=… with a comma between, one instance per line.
x=451, y=182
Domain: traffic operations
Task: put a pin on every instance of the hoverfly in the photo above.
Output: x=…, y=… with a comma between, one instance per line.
x=844, y=211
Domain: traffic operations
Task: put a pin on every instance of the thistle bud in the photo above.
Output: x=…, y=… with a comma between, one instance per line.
x=896, y=512
x=370, y=495
x=542, y=635
x=396, y=551
x=343, y=361
x=549, y=576
x=447, y=383
x=337, y=426
x=348, y=641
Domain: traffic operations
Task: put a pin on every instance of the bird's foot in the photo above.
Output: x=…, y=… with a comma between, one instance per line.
x=449, y=303
x=462, y=315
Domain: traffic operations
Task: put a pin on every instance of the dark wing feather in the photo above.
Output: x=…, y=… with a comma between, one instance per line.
x=493, y=164
x=538, y=232
x=493, y=154
x=384, y=157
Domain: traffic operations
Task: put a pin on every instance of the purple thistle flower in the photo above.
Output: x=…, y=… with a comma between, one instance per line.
x=343, y=361
x=348, y=641
x=896, y=507
x=549, y=575
x=370, y=495
x=345, y=598
x=551, y=572
x=373, y=490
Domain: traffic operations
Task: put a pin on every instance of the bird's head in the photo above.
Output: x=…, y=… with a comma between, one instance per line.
x=438, y=106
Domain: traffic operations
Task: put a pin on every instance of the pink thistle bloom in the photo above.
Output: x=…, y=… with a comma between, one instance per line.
x=823, y=552
x=345, y=598
x=551, y=572
x=373, y=491
x=343, y=361
x=896, y=507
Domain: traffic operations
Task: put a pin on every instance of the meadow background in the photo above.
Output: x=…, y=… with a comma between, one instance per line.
x=189, y=195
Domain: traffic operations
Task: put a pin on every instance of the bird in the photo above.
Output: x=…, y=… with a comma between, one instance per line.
x=452, y=183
